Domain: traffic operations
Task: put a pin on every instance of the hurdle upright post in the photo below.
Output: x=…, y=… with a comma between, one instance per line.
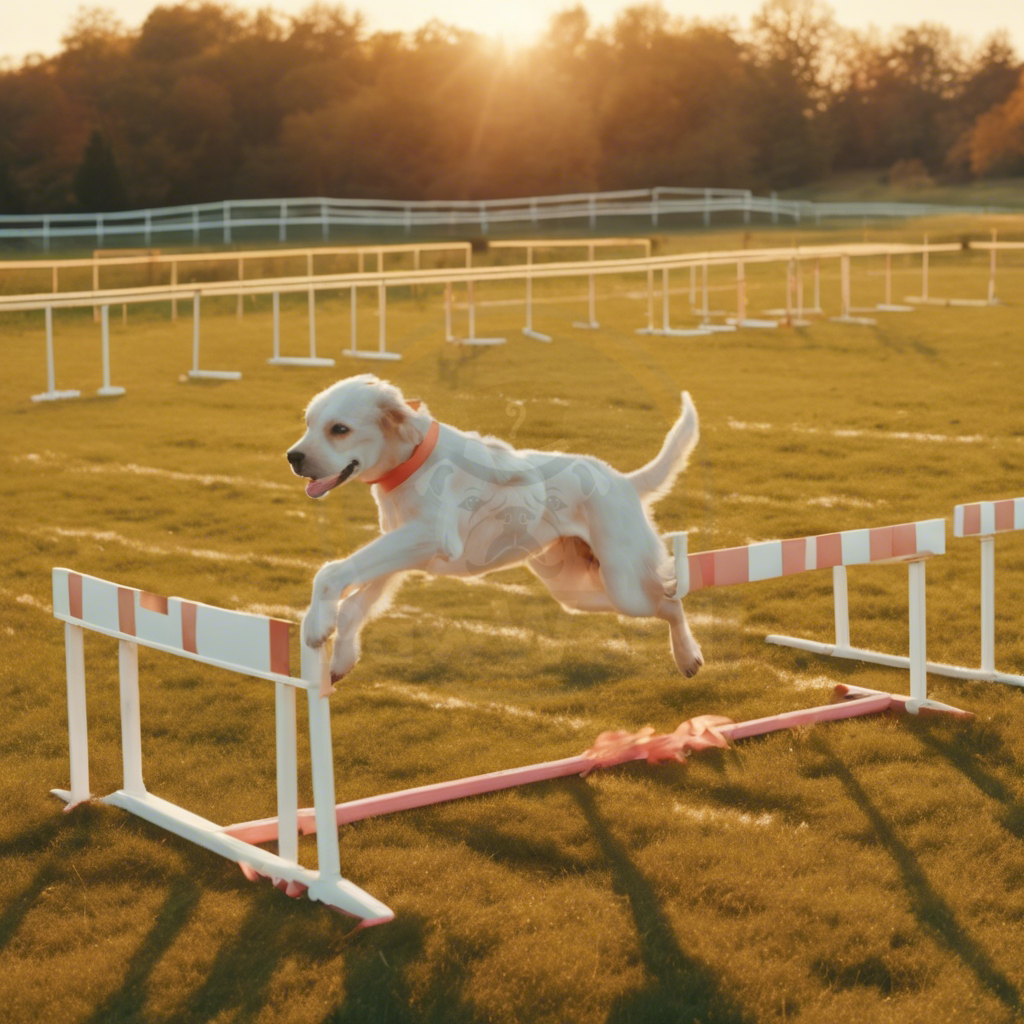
x=131, y=717
x=924, y=270
x=107, y=389
x=918, y=656
x=528, y=330
x=992, y=269
x=315, y=671
x=988, y=604
x=78, y=728
x=51, y=393
x=287, y=772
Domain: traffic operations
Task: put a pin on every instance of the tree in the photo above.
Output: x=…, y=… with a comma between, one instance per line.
x=97, y=186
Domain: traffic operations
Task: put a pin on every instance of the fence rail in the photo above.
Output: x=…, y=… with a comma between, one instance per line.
x=225, y=220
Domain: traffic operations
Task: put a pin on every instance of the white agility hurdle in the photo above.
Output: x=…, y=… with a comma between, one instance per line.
x=741, y=319
x=381, y=351
x=666, y=329
x=312, y=359
x=912, y=543
x=845, y=307
x=924, y=299
x=984, y=519
x=51, y=394
x=199, y=374
x=257, y=646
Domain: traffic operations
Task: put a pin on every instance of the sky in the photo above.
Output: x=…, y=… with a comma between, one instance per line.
x=37, y=27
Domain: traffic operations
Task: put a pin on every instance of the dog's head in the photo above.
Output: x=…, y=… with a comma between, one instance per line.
x=359, y=426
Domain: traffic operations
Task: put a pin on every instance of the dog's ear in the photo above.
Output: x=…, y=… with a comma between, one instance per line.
x=398, y=420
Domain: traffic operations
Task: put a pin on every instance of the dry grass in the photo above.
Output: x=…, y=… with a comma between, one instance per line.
x=867, y=871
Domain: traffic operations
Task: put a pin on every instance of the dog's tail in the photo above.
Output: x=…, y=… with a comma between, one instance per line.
x=655, y=480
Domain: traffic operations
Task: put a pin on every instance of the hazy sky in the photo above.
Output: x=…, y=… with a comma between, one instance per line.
x=37, y=27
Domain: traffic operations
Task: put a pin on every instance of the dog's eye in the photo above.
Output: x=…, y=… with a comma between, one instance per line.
x=471, y=504
x=339, y=430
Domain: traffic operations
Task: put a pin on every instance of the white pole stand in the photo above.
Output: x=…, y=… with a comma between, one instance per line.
x=312, y=359
x=107, y=390
x=196, y=373
x=528, y=329
x=916, y=662
x=78, y=728
x=472, y=339
x=889, y=306
x=591, y=324
x=51, y=394
x=381, y=351
x=845, y=308
x=666, y=329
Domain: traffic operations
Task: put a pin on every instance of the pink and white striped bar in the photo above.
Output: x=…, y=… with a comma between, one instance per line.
x=253, y=644
x=985, y=518
x=774, y=559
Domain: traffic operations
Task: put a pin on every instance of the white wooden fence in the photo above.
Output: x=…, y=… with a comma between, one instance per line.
x=224, y=222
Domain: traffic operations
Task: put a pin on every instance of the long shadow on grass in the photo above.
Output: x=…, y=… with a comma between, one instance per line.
x=931, y=910
x=682, y=988
x=127, y=1003
x=964, y=758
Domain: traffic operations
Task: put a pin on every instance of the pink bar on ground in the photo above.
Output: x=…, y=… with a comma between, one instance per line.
x=972, y=519
x=830, y=550
x=794, y=556
x=808, y=716
x=732, y=565
x=1004, y=515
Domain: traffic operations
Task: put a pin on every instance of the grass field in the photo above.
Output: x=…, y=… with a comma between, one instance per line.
x=866, y=871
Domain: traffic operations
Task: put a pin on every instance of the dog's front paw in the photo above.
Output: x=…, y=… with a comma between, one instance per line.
x=317, y=627
x=687, y=656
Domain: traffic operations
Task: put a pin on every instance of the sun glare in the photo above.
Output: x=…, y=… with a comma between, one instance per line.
x=513, y=26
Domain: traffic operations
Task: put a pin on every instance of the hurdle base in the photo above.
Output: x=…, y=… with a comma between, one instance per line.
x=847, y=692
x=892, y=660
x=70, y=801
x=55, y=396
x=586, y=325
x=893, y=307
x=752, y=322
x=478, y=341
x=717, y=328
x=684, y=332
x=109, y=392
x=215, y=374
x=529, y=332
x=355, y=353
x=863, y=321
x=336, y=892
x=924, y=300
x=300, y=361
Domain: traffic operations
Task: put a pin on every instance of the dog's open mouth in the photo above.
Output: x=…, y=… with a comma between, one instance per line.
x=318, y=488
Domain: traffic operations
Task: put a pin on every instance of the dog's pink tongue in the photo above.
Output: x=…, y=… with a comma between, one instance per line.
x=318, y=488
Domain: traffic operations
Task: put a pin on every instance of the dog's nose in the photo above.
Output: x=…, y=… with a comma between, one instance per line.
x=295, y=458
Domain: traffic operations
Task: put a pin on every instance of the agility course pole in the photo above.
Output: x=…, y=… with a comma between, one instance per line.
x=107, y=390
x=381, y=352
x=741, y=319
x=196, y=373
x=312, y=359
x=528, y=329
x=911, y=543
x=591, y=324
x=845, y=308
x=51, y=394
x=252, y=645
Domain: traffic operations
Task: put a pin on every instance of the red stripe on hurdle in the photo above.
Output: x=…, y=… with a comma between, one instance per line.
x=188, y=627
x=74, y=595
x=126, y=610
x=280, y=655
x=972, y=519
x=830, y=550
x=794, y=556
x=904, y=540
x=881, y=543
x=1004, y=514
x=732, y=565
x=152, y=602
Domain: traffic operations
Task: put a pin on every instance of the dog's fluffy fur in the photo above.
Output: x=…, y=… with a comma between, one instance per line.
x=477, y=505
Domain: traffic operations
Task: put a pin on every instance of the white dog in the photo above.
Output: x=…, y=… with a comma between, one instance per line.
x=453, y=503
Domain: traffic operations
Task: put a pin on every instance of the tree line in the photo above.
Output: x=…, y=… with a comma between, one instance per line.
x=205, y=102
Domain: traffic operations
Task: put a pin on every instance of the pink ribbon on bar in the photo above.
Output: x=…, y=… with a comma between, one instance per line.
x=611, y=748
